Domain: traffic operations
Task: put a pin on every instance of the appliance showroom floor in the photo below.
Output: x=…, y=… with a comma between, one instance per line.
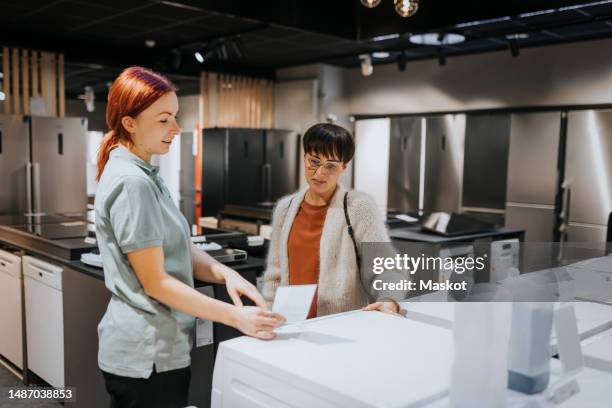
x=7, y=381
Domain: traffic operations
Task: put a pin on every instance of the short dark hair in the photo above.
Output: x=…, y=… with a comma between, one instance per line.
x=329, y=140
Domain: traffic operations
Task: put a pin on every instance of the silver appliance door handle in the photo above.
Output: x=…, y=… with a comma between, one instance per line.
x=268, y=182
x=37, y=187
x=263, y=187
x=28, y=171
x=565, y=217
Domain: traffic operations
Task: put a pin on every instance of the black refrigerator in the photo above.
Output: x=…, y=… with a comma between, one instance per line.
x=247, y=167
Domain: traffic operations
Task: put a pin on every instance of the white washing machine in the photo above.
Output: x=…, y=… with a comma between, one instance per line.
x=11, y=340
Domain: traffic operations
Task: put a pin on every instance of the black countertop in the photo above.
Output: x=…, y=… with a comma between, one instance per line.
x=59, y=251
x=250, y=264
x=414, y=234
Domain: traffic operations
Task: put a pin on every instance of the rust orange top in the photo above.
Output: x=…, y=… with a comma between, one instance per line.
x=303, y=247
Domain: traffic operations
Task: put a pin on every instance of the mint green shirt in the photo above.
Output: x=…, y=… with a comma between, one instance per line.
x=135, y=210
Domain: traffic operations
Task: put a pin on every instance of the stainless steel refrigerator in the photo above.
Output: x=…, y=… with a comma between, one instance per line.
x=248, y=167
x=187, y=175
x=43, y=164
x=588, y=176
x=426, y=163
x=533, y=174
x=485, y=166
x=15, y=181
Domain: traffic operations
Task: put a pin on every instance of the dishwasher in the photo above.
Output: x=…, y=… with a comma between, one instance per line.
x=44, y=320
x=11, y=340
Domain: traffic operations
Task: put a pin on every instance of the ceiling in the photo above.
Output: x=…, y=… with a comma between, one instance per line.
x=100, y=38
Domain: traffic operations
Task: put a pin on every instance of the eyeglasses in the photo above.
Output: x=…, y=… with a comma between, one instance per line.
x=328, y=167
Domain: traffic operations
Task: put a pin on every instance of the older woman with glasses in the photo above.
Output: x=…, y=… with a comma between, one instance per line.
x=316, y=232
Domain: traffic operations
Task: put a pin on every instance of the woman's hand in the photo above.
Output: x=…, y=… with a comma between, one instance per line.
x=390, y=307
x=257, y=322
x=238, y=286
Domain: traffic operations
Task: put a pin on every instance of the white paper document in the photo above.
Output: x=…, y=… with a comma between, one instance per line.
x=293, y=302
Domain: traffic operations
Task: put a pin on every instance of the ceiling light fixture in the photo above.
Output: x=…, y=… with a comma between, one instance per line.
x=370, y=3
x=483, y=22
x=406, y=8
x=385, y=37
x=89, y=97
x=150, y=43
x=200, y=56
x=513, y=43
x=518, y=36
x=366, y=64
x=437, y=38
x=380, y=54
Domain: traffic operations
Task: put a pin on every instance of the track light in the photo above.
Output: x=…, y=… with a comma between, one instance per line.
x=175, y=60
x=223, y=49
x=89, y=97
x=366, y=64
x=401, y=61
x=514, y=48
x=513, y=43
x=441, y=57
x=237, y=46
x=200, y=56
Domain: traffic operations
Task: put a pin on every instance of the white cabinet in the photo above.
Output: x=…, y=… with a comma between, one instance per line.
x=11, y=340
x=44, y=320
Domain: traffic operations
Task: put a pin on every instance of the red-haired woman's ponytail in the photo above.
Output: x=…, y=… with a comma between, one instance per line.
x=108, y=143
x=134, y=90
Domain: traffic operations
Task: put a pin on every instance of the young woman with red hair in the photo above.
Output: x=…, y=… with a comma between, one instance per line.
x=146, y=334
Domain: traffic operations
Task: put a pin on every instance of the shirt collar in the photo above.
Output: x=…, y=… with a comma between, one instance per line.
x=123, y=153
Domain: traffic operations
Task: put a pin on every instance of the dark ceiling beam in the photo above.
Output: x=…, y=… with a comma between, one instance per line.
x=117, y=56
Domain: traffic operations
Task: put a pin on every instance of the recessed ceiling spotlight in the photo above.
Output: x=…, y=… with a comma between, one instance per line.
x=150, y=43
x=437, y=39
x=380, y=54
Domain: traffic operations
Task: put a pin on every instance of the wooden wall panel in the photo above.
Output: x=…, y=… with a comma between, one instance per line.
x=6, y=80
x=28, y=74
x=236, y=101
x=25, y=81
x=15, y=94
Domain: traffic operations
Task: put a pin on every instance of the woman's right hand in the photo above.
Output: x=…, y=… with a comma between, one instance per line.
x=257, y=322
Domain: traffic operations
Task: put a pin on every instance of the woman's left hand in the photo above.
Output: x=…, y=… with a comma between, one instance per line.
x=238, y=286
x=392, y=308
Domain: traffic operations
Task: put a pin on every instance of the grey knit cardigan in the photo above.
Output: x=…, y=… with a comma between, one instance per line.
x=341, y=285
